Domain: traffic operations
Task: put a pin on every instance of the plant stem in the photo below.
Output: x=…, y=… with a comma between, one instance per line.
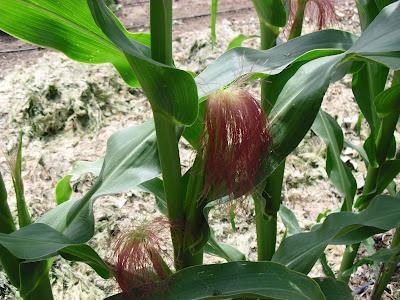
x=269, y=33
x=161, y=51
x=387, y=271
x=161, y=31
x=170, y=165
x=297, y=25
x=266, y=220
x=266, y=224
x=266, y=231
x=349, y=256
x=9, y=262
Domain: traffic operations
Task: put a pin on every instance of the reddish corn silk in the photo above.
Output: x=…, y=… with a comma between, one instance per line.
x=139, y=264
x=323, y=11
x=235, y=141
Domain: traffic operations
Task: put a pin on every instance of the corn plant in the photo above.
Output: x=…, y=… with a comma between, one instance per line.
x=241, y=145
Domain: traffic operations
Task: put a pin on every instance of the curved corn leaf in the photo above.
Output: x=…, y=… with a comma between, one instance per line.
x=63, y=189
x=170, y=91
x=66, y=26
x=333, y=289
x=265, y=280
x=238, y=40
x=84, y=253
x=300, y=251
x=131, y=158
x=222, y=250
x=367, y=11
x=330, y=132
x=297, y=106
x=289, y=220
x=242, y=61
x=45, y=242
x=380, y=41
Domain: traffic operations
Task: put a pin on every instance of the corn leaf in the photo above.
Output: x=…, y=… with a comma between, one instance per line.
x=300, y=251
x=264, y=280
x=238, y=40
x=66, y=26
x=333, y=289
x=63, y=190
x=242, y=61
x=380, y=41
x=340, y=175
x=45, y=242
x=131, y=158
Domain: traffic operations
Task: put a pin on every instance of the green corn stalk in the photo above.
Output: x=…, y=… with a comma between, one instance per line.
x=161, y=51
x=9, y=262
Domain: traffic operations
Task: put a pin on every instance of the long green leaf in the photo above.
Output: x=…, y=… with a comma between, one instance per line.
x=380, y=42
x=300, y=251
x=333, y=289
x=84, y=253
x=382, y=3
x=242, y=61
x=264, y=280
x=171, y=91
x=67, y=26
x=44, y=242
x=131, y=158
x=330, y=132
x=297, y=106
x=367, y=11
x=222, y=250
